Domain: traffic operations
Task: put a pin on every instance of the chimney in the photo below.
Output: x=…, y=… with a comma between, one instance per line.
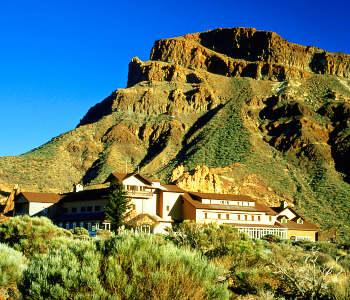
x=78, y=187
x=283, y=204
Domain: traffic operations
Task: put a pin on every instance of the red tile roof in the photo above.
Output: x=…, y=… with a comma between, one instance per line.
x=41, y=197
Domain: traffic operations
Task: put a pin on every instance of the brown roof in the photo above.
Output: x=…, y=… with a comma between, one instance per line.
x=259, y=207
x=144, y=178
x=173, y=188
x=221, y=196
x=41, y=197
x=121, y=176
x=292, y=224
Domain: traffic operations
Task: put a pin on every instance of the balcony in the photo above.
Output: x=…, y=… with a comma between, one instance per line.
x=142, y=194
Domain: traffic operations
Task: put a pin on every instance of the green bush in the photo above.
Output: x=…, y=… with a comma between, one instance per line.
x=12, y=264
x=126, y=267
x=80, y=232
x=30, y=235
x=70, y=271
x=210, y=239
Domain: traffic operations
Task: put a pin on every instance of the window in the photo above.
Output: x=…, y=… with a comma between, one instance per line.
x=106, y=226
x=245, y=217
x=67, y=225
x=65, y=210
x=227, y=216
x=205, y=216
x=284, y=220
x=219, y=216
x=167, y=208
x=81, y=224
x=145, y=228
x=89, y=209
x=300, y=221
x=270, y=218
x=83, y=209
x=238, y=217
x=252, y=218
x=74, y=209
x=74, y=225
x=97, y=208
x=259, y=218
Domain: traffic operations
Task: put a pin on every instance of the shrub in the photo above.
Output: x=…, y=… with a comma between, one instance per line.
x=30, y=234
x=66, y=272
x=271, y=238
x=126, y=267
x=80, y=232
x=12, y=264
x=210, y=239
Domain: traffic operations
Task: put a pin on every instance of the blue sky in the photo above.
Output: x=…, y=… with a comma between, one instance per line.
x=58, y=58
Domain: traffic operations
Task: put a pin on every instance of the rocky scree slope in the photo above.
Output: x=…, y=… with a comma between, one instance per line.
x=229, y=110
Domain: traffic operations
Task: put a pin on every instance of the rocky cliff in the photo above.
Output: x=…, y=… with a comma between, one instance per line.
x=229, y=110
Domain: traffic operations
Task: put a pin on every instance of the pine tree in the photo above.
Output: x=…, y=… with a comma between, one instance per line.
x=118, y=206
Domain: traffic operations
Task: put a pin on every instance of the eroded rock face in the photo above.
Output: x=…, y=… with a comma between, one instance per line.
x=199, y=180
x=248, y=52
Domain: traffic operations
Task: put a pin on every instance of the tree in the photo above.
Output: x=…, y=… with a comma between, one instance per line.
x=118, y=206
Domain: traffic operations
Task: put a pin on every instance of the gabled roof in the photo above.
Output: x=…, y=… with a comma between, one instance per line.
x=122, y=176
x=41, y=197
x=119, y=176
x=259, y=207
x=280, y=209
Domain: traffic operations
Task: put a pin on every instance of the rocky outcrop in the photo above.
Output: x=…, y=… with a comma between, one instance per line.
x=199, y=180
x=247, y=52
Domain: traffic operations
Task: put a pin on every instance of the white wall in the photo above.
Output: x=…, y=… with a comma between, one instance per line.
x=37, y=207
x=287, y=212
x=228, y=202
x=132, y=180
x=145, y=205
x=212, y=216
x=169, y=200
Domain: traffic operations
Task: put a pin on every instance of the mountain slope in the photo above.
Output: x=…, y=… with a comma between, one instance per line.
x=229, y=110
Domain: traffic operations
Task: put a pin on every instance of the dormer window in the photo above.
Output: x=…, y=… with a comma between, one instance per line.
x=300, y=221
x=284, y=220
